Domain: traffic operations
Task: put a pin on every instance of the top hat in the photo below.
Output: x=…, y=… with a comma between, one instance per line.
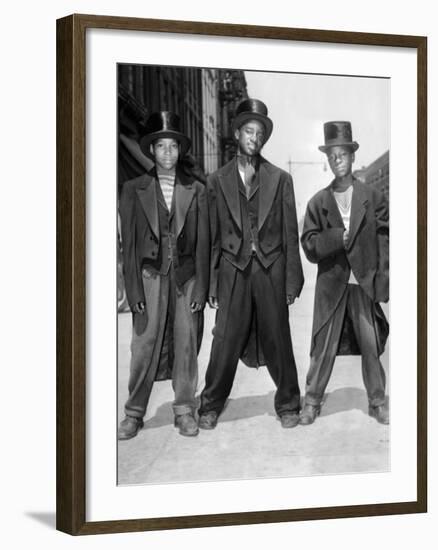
x=252, y=109
x=338, y=133
x=163, y=124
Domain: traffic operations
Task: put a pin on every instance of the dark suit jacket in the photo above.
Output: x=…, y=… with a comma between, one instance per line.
x=367, y=251
x=141, y=238
x=277, y=222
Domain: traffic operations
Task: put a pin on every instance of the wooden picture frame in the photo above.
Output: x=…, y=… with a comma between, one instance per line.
x=71, y=273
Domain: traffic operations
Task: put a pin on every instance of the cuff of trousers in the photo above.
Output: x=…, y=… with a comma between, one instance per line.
x=183, y=409
x=314, y=401
x=135, y=414
x=377, y=402
x=286, y=410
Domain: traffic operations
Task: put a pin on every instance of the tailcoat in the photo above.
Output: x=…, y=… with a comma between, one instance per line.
x=366, y=254
x=276, y=232
x=160, y=242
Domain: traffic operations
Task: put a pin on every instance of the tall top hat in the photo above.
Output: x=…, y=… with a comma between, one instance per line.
x=252, y=109
x=163, y=124
x=338, y=133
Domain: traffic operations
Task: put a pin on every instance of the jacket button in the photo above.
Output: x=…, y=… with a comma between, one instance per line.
x=231, y=246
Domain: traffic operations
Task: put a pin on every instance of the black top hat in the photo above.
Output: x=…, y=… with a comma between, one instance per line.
x=163, y=124
x=338, y=133
x=252, y=109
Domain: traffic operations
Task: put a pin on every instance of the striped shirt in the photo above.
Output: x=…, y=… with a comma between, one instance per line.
x=167, y=184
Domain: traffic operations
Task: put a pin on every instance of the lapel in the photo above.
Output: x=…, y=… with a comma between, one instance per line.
x=330, y=208
x=255, y=185
x=147, y=196
x=229, y=182
x=183, y=194
x=160, y=196
x=358, y=209
x=268, y=180
x=241, y=183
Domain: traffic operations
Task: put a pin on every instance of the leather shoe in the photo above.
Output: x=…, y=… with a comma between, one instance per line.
x=380, y=413
x=208, y=420
x=289, y=420
x=129, y=427
x=187, y=424
x=309, y=414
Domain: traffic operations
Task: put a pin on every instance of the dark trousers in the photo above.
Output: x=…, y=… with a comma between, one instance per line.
x=243, y=294
x=360, y=309
x=167, y=310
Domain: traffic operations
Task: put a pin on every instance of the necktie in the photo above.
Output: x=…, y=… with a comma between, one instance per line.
x=249, y=173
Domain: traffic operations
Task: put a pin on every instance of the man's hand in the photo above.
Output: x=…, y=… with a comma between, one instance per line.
x=194, y=307
x=139, y=308
x=213, y=301
x=345, y=238
x=290, y=299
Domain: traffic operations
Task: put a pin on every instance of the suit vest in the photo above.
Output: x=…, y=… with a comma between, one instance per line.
x=249, y=208
x=167, y=251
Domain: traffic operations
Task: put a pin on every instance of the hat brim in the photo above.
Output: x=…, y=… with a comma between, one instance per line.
x=353, y=145
x=246, y=117
x=148, y=139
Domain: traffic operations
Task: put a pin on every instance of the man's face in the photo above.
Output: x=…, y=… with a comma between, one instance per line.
x=250, y=137
x=166, y=151
x=340, y=159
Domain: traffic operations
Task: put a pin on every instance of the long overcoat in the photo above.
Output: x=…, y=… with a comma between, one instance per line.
x=142, y=243
x=277, y=232
x=366, y=253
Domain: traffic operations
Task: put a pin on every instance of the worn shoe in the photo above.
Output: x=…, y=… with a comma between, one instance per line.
x=309, y=414
x=289, y=420
x=208, y=420
x=129, y=427
x=380, y=413
x=187, y=424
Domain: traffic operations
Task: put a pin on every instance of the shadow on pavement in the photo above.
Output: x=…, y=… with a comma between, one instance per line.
x=346, y=399
x=239, y=408
x=235, y=409
x=248, y=407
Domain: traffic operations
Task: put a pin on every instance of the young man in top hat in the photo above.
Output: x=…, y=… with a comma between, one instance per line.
x=255, y=270
x=346, y=232
x=165, y=237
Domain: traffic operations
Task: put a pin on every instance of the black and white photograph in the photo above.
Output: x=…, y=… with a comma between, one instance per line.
x=219, y=305
x=253, y=276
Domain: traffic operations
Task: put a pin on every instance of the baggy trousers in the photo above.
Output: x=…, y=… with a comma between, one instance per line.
x=165, y=304
x=360, y=309
x=242, y=294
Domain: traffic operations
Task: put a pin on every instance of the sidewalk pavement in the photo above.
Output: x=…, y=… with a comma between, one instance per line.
x=248, y=441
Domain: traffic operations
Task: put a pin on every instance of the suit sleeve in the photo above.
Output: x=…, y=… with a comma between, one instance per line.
x=215, y=243
x=199, y=294
x=381, y=283
x=294, y=269
x=319, y=243
x=133, y=281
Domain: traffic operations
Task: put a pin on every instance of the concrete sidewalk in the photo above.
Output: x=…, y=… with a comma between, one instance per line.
x=248, y=441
